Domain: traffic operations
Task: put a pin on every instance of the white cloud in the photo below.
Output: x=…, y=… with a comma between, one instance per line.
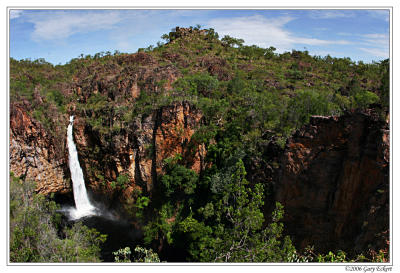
x=61, y=24
x=255, y=30
x=375, y=35
x=377, y=44
x=124, y=45
x=376, y=39
x=15, y=13
x=329, y=14
x=376, y=52
x=58, y=25
x=313, y=41
x=265, y=32
x=345, y=34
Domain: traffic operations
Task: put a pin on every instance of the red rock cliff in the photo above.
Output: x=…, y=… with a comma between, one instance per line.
x=334, y=183
x=33, y=154
x=140, y=153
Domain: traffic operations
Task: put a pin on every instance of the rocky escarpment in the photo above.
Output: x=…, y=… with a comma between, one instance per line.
x=334, y=183
x=33, y=155
x=332, y=177
x=140, y=152
x=137, y=149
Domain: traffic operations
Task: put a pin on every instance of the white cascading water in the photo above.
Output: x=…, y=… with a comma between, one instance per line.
x=83, y=207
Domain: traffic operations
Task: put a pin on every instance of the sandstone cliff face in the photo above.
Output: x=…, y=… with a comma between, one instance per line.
x=140, y=153
x=137, y=152
x=33, y=155
x=334, y=183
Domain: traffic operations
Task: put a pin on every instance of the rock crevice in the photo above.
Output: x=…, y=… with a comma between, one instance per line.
x=329, y=171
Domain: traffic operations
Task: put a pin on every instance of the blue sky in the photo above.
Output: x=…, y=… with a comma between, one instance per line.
x=60, y=35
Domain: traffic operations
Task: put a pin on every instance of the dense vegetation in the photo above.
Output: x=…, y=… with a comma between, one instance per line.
x=36, y=234
x=249, y=96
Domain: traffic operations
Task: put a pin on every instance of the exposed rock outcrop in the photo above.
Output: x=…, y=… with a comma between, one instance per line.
x=136, y=73
x=334, y=183
x=140, y=153
x=33, y=155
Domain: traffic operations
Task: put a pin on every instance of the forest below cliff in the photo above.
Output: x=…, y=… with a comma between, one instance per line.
x=210, y=150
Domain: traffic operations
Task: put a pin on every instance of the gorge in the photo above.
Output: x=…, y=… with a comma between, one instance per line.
x=187, y=146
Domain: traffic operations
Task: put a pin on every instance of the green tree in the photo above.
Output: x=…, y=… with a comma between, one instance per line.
x=162, y=227
x=254, y=52
x=364, y=98
x=122, y=255
x=34, y=225
x=307, y=103
x=238, y=234
x=142, y=255
x=197, y=84
x=178, y=180
x=229, y=41
x=123, y=180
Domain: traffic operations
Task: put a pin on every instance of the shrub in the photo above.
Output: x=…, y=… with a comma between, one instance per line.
x=142, y=255
x=123, y=180
x=178, y=180
x=364, y=98
x=34, y=235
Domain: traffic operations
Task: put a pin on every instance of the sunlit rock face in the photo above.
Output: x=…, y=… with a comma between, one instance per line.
x=33, y=155
x=136, y=151
x=140, y=154
x=334, y=183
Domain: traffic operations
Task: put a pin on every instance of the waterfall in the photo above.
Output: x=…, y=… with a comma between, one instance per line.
x=83, y=207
